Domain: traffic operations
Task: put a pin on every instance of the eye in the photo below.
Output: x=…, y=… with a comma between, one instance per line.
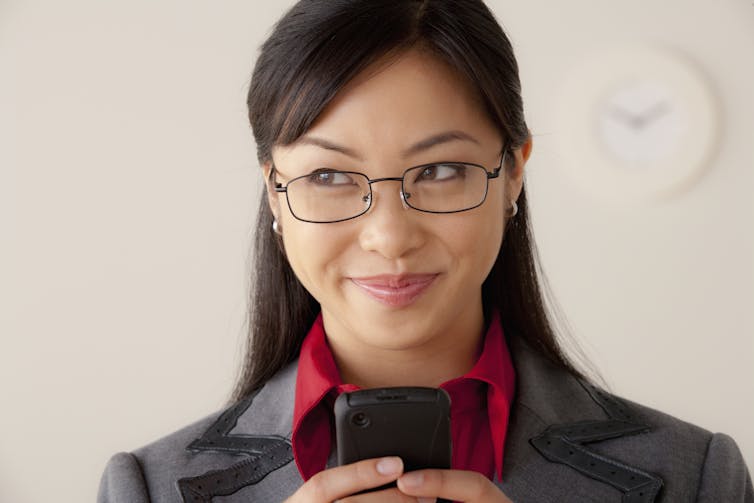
x=330, y=178
x=441, y=172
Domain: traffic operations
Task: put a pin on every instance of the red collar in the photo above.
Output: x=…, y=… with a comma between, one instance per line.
x=318, y=383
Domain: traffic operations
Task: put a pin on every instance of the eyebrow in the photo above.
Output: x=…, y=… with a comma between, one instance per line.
x=421, y=146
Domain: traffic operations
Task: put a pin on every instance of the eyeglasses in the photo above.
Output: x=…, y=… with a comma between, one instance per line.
x=330, y=195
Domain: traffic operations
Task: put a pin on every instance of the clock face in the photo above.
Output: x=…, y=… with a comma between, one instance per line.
x=636, y=123
x=640, y=123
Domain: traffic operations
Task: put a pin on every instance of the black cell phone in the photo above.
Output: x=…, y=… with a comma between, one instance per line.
x=410, y=422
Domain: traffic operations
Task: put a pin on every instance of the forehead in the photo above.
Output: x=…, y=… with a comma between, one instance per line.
x=403, y=98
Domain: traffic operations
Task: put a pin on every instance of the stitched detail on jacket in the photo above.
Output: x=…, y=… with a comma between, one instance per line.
x=701, y=470
x=141, y=473
x=264, y=454
x=564, y=444
x=229, y=480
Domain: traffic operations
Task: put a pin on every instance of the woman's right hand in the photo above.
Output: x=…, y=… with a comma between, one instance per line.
x=342, y=482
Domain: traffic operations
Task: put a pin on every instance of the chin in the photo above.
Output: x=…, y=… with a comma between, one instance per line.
x=398, y=329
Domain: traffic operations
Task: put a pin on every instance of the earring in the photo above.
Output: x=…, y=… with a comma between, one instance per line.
x=514, y=210
x=276, y=228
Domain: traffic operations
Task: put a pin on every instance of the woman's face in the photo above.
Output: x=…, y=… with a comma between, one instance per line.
x=396, y=278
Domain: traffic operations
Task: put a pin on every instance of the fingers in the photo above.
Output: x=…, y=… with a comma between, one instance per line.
x=456, y=485
x=388, y=495
x=343, y=481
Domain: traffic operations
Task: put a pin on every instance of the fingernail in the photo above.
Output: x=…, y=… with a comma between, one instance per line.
x=389, y=466
x=412, y=480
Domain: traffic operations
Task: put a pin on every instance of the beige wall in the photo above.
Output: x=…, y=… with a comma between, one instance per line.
x=128, y=184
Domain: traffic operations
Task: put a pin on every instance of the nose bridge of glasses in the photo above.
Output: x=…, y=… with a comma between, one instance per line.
x=385, y=179
x=389, y=179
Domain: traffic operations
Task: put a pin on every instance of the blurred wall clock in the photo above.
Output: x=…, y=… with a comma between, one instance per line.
x=636, y=122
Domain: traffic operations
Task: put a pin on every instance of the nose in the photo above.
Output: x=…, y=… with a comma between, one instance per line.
x=390, y=228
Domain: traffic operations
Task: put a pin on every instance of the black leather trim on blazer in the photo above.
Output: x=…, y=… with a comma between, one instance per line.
x=564, y=443
x=263, y=454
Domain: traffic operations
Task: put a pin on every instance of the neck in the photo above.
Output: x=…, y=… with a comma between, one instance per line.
x=437, y=358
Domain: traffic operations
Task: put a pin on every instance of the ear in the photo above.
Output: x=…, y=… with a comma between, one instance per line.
x=515, y=172
x=273, y=198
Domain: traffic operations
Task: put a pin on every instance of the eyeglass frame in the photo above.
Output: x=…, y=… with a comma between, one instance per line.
x=280, y=188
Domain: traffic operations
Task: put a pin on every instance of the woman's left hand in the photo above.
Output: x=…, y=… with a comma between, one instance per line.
x=453, y=485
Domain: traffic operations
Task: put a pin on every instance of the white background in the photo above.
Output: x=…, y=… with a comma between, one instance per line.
x=129, y=182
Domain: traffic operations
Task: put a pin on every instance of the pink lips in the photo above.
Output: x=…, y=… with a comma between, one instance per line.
x=395, y=290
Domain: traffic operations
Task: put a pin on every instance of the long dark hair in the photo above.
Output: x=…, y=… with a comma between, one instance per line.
x=313, y=51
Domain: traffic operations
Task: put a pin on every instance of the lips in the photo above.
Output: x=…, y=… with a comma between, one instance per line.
x=395, y=290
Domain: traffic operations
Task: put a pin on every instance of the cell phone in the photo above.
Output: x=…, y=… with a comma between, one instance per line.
x=410, y=422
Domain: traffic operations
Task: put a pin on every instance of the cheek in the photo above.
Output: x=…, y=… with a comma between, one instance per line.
x=315, y=253
x=474, y=242
x=479, y=234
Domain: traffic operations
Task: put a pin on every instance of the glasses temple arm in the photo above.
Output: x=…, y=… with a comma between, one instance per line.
x=278, y=187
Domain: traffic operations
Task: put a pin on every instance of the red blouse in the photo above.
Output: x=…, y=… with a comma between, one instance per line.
x=480, y=404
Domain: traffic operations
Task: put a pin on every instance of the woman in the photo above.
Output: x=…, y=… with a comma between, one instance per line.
x=393, y=248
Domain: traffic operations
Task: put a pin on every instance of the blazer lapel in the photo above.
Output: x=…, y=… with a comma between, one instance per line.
x=555, y=421
x=258, y=431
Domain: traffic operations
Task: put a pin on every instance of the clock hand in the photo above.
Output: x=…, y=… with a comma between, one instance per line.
x=657, y=110
x=626, y=117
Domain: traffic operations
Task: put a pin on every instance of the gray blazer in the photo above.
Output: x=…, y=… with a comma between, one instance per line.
x=567, y=442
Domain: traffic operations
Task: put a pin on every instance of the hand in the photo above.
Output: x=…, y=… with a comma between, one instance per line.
x=453, y=485
x=342, y=482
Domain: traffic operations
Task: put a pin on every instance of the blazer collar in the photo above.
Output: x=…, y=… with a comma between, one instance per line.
x=549, y=394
